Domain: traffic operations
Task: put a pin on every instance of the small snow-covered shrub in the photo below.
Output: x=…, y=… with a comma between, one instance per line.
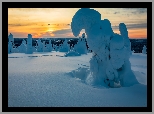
x=39, y=46
x=23, y=47
x=80, y=47
x=64, y=47
x=72, y=53
x=144, y=50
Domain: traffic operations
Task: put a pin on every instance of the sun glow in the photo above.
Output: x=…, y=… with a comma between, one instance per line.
x=50, y=30
x=36, y=21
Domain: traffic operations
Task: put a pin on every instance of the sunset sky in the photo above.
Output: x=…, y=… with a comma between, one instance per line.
x=55, y=22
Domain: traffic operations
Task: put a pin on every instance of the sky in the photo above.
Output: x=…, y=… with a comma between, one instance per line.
x=55, y=22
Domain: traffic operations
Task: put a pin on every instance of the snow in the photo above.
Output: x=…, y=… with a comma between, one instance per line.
x=110, y=76
x=49, y=79
x=10, y=43
x=124, y=34
x=84, y=18
x=111, y=51
x=40, y=46
x=117, y=42
x=144, y=49
x=29, y=44
x=11, y=39
x=64, y=47
x=23, y=47
x=72, y=53
x=81, y=47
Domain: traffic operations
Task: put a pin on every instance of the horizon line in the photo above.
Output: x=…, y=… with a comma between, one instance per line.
x=69, y=37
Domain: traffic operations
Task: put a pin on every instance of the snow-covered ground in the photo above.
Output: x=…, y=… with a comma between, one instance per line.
x=45, y=80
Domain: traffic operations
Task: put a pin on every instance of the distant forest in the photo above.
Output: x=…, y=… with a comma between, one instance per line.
x=136, y=44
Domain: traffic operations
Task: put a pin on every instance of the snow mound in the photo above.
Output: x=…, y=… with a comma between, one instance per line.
x=127, y=76
x=81, y=47
x=64, y=47
x=43, y=82
x=85, y=76
x=72, y=53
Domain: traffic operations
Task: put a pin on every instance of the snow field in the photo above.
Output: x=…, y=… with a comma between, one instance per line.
x=48, y=81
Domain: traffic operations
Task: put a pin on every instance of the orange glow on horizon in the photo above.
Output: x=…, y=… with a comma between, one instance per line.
x=55, y=22
x=138, y=33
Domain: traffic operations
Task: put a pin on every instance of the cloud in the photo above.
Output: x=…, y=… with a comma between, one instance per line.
x=21, y=24
x=136, y=10
x=116, y=12
x=139, y=11
x=133, y=26
x=34, y=35
x=18, y=34
x=133, y=12
x=14, y=24
x=43, y=35
x=32, y=9
x=142, y=10
x=63, y=31
x=36, y=23
x=60, y=24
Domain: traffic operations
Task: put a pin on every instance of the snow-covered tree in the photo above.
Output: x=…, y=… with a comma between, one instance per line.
x=10, y=43
x=23, y=47
x=49, y=46
x=56, y=48
x=144, y=50
x=34, y=49
x=11, y=39
x=29, y=44
x=9, y=47
x=64, y=47
x=81, y=47
x=133, y=51
x=124, y=34
x=39, y=46
x=44, y=47
x=110, y=63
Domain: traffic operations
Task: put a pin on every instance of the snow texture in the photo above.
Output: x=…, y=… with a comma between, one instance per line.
x=48, y=79
x=72, y=52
